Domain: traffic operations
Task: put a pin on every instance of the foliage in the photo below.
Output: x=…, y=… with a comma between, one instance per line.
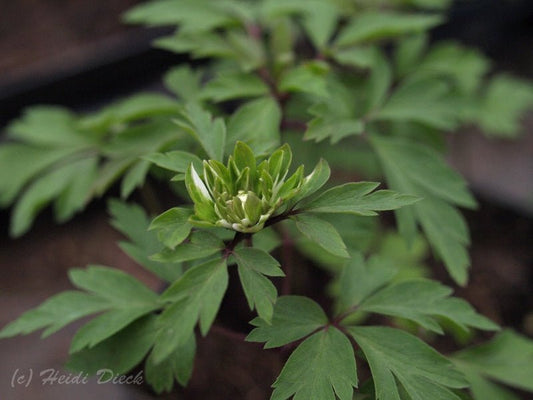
x=273, y=72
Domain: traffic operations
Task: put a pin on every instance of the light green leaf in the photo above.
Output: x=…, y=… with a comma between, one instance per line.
x=200, y=244
x=422, y=301
x=355, y=198
x=49, y=126
x=39, y=193
x=321, y=368
x=78, y=193
x=257, y=124
x=119, y=353
x=306, y=78
x=25, y=163
x=190, y=15
x=134, y=178
x=396, y=357
x=314, y=181
x=322, y=233
x=503, y=104
x=172, y=226
x=294, y=318
x=177, y=161
x=133, y=222
x=371, y=26
x=234, y=86
x=55, y=313
x=211, y=134
x=177, y=366
x=508, y=358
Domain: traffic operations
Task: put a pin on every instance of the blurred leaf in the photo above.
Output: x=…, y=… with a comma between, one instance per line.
x=508, y=358
x=306, y=78
x=234, y=86
x=257, y=124
x=184, y=82
x=370, y=26
x=200, y=244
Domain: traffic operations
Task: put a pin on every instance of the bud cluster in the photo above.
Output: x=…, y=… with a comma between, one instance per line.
x=242, y=195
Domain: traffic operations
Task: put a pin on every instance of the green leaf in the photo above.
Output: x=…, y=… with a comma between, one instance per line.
x=39, y=193
x=398, y=358
x=116, y=286
x=177, y=161
x=55, y=313
x=508, y=358
x=235, y=85
x=257, y=124
x=421, y=301
x=355, y=198
x=294, y=318
x=379, y=82
x=128, y=300
x=441, y=110
x=195, y=296
x=138, y=106
x=417, y=169
x=78, y=193
x=184, y=82
x=26, y=162
x=306, y=78
x=360, y=279
x=119, y=353
x=211, y=134
x=371, y=26
x=503, y=104
x=134, y=178
x=172, y=226
x=133, y=222
x=190, y=15
x=261, y=294
x=106, y=325
x=177, y=366
x=482, y=388
x=321, y=368
x=322, y=233
x=201, y=244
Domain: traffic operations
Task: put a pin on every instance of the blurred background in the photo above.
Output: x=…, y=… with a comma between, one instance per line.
x=77, y=53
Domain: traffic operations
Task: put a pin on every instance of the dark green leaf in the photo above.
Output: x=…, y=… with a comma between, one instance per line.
x=200, y=244
x=172, y=226
x=423, y=300
x=322, y=233
x=55, y=313
x=294, y=318
x=355, y=198
x=321, y=368
x=396, y=357
x=119, y=353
